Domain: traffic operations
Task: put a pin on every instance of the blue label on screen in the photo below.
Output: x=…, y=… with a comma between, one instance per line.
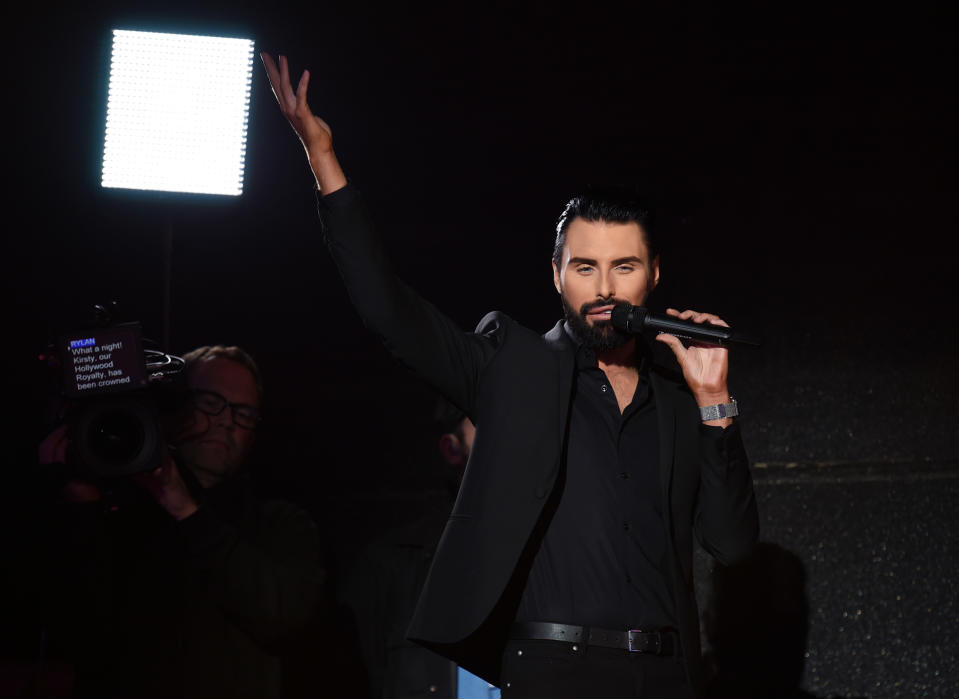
x=88, y=342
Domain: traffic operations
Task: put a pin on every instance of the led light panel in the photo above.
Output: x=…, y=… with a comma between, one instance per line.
x=177, y=113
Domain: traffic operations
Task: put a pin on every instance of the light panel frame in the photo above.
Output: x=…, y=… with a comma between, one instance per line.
x=177, y=112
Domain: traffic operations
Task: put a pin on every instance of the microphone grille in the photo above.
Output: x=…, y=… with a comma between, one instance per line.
x=627, y=317
x=621, y=316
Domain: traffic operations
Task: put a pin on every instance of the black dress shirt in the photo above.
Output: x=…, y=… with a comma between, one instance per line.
x=602, y=561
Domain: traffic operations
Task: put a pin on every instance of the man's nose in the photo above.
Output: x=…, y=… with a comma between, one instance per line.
x=605, y=287
x=225, y=418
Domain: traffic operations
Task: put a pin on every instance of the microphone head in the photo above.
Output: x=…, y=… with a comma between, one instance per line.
x=627, y=317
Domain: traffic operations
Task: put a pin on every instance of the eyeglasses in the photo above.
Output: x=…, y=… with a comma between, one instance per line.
x=212, y=403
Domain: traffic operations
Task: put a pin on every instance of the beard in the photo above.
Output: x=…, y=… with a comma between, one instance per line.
x=600, y=336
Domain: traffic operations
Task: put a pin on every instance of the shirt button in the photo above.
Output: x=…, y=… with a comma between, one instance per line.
x=629, y=579
x=626, y=526
x=623, y=475
x=433, y=689
x=603, y=388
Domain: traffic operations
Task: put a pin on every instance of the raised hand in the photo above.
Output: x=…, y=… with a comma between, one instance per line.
x=314, y=133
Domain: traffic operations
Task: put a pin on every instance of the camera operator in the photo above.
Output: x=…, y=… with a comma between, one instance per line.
x=192, y=587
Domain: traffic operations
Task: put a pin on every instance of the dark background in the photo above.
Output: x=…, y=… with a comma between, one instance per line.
x=800, y=160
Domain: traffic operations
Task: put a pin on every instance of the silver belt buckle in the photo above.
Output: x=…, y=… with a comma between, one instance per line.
x=629, y=642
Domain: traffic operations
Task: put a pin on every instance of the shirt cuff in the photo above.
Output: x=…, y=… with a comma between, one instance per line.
x=338, y=199
x=718, y=433
x=722, y=446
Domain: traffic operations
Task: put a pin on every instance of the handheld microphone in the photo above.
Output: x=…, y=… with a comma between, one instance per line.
x=635, y=319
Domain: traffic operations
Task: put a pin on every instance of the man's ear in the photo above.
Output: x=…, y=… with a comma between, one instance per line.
x=556, y=282
x=654, y=273
x=451, y=449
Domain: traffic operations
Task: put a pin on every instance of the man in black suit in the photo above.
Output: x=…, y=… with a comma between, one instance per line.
x=565, y=568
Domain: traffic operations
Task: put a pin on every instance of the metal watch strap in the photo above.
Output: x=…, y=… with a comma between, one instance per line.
x=720, y=410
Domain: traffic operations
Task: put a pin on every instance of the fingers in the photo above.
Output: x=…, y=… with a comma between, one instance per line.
x=167, y=465
x=269, y=65
x=301, y=90
x=697, y=317
x=149, y=479
x=53, y=448
x=80, y=491
x=159, y=479
x=675, y=344
x=273, y=74
x=289, y=98
x=279, y=78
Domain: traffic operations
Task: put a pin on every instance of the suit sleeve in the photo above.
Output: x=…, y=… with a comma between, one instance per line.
x=412, y=329
x=727, y=521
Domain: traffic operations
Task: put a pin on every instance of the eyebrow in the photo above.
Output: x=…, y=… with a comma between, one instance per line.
x=618, y=261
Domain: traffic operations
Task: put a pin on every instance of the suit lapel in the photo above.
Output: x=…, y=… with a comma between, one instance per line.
x=558, y=342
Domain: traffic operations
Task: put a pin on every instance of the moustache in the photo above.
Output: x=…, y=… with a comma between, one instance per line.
x=599, y=303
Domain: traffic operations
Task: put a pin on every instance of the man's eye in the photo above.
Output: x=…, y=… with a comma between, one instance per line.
x=206, y=401
x=625, y=268
x=584, y=270
x=245, y=412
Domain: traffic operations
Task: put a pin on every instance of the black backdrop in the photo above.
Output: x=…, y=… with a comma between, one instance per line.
x=801, y=161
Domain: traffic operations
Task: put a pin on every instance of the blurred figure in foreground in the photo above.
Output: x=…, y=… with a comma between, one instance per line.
x=386, y=581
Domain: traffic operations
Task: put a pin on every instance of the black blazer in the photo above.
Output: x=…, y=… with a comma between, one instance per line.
x=515, y=385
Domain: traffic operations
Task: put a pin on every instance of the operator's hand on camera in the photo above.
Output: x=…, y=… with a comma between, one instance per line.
x=314, y=133
x=53, y=450
x=168, y=488
x=705, y=367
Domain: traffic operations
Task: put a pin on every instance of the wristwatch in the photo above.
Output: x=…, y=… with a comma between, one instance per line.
x=720, y=410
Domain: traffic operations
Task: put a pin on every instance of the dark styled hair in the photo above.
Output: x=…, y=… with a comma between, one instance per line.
x=611, y=204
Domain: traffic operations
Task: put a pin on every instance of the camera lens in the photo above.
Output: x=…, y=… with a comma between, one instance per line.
x=116, y=436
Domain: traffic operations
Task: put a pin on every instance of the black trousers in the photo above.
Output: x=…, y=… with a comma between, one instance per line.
x=559, y=670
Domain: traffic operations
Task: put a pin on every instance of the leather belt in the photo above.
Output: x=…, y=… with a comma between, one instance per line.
x=665, y=642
